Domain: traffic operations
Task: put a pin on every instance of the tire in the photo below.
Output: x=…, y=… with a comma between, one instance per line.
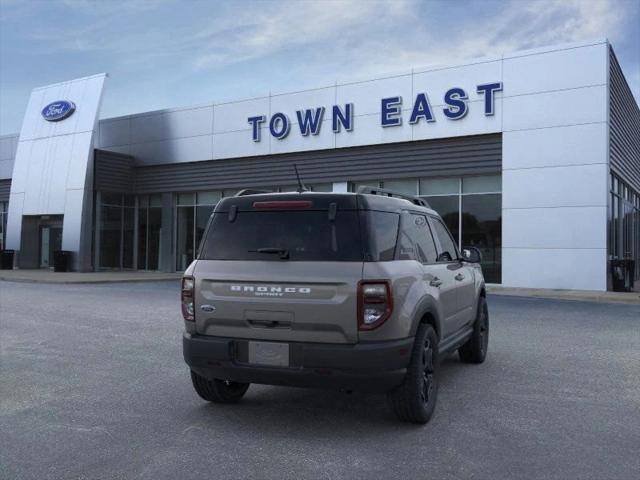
x=475, y=349
x=218, y=391
x=415, y=400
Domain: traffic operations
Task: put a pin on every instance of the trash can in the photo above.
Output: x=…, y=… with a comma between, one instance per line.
x=6, y=259
x=622, y=273
x=62, y=261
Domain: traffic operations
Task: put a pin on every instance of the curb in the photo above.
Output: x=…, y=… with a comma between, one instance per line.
x=631, y=298
x=87, y=282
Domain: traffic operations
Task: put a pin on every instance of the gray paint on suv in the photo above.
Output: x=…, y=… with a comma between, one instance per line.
x=357, y=291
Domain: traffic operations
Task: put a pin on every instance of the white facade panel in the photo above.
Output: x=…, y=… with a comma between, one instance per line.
x=296, y=142
x=561, y=146
x=559, y=227
x=114, y=132
x=556, y=70
x=366, y=96
x=14, y=219
x=291, y=102
x=52, y=159
x=436, y=82
x=572, y=186
x=72, y=221
x=8, y=145
x=189, y=122
x=6, y=169
x=234, y=144
x=475, y=122
x=232, y=117
x=573, y=269
x=147, y=128
x=367, y=131
x=177, y=150
x=555, y=109
x=76, y=176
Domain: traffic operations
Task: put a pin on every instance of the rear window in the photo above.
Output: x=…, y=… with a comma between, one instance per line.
x=279, y=235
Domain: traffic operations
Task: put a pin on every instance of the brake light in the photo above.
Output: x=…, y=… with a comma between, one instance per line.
x=186, y=298
x=284, y=204
x=375, y=303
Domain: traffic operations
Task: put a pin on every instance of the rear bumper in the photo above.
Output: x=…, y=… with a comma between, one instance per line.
x=372, y=367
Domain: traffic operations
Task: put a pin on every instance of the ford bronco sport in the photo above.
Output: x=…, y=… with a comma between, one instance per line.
x=355, y=291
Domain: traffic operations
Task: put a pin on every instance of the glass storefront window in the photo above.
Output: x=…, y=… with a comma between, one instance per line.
x=193, y=212
x=439, y=186
x=117, y=227
x=110, y=236
x=185, y=245
x=485, y=184
x=407, y=186
x=448, y=206
x=482, y=228
x=624, y=225
x=3, y=224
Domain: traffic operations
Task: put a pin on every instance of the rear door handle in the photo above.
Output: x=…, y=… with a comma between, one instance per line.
x=459, y=277
x=436, y=282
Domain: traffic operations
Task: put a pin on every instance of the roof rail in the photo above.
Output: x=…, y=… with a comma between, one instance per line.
x=390, y=193
x=250, y=191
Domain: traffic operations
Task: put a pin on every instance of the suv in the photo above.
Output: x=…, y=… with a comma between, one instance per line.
x=355, y=291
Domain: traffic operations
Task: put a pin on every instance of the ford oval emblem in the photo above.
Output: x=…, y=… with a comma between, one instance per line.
x=56, y=111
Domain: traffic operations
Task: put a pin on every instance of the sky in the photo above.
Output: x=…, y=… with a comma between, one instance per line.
x=173, y=53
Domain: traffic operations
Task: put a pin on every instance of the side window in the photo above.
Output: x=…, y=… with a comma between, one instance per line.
x=416, y=242
x=384, y=232
x=406, y=249
x=448, y=250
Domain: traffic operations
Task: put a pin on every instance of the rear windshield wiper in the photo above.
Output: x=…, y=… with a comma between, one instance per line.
x=283, y=252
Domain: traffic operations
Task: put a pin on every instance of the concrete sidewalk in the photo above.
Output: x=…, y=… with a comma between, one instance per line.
x=49, y=276
x=582, y=295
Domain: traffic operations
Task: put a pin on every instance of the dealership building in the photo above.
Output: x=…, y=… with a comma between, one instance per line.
x=533, y=157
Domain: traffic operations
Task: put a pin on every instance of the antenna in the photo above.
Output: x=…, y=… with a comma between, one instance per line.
x=301, y=187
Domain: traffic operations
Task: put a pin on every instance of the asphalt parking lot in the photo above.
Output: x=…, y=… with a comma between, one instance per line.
x=93, y=385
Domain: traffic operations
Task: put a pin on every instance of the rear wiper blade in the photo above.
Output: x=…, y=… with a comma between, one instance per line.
x=283, y=252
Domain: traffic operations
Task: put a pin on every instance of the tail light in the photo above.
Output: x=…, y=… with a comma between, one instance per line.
x=375, y=303
x=186, y=298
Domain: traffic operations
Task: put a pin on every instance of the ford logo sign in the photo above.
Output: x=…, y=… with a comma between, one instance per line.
x=56, y=111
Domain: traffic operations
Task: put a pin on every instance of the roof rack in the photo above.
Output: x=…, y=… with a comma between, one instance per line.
x=390, y=193
x=250, y=191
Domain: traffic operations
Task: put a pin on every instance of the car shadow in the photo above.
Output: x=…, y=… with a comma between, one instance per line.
x=269, y=409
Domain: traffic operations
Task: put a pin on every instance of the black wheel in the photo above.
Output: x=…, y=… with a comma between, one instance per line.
x=218, y=391
x=475, y=349
x=415, y=400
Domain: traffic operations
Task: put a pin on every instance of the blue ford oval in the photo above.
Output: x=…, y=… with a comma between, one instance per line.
x=56, y=111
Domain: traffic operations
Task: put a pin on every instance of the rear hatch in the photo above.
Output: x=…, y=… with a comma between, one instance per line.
x=281, y=267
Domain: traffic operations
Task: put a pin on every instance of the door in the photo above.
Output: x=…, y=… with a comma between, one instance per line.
x=44, y=246
x=461, y=276
x=416, y=242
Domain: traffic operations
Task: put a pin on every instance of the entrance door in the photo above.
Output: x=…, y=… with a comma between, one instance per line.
x=45, y=235
x=50, y=241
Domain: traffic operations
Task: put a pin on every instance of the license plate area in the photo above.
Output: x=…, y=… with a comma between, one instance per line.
x=269, y=353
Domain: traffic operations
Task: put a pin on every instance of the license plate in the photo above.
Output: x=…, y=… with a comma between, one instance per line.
x=269, y=353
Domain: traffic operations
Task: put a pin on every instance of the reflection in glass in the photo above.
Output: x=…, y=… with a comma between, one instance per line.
x=482, y=228
x=155, y=227
x=448, y=207
x=110, y=236
x=184, y=247
x=202, y=217
x=128, y=227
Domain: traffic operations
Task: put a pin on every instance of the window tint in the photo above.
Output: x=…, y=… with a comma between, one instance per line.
x=303, y=235
x=447, y=247
x=383, y=235
x=417, y=241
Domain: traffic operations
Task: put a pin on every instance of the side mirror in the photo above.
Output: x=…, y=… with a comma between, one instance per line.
x=471, y=255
